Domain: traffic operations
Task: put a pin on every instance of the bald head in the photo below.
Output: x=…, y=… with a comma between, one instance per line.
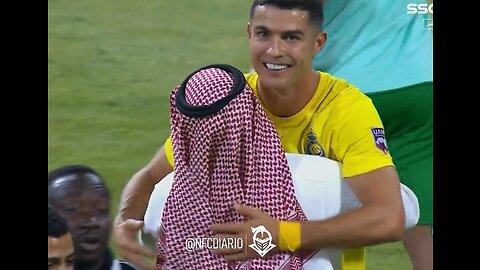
x=75, y=179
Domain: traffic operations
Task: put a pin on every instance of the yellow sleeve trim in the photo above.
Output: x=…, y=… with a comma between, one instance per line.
x=354, y=259
x=169, y=150
x=289, y=234
x=349, y=171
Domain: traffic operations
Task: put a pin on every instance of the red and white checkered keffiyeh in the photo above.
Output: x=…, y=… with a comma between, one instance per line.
x=231, y=156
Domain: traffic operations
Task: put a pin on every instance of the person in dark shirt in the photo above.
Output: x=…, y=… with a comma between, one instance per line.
x=81, y=196
x=60, y=244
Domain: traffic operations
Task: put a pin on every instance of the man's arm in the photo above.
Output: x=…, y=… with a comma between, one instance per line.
x=368, y=168
x=136, y=194
x=133, y=204
x=380, y=219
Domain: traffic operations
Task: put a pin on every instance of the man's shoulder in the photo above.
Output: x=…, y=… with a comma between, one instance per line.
x=339, y=91
x=251, y=79
x=338, y=84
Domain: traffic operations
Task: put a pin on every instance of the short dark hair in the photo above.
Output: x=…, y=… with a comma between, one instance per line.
x=57, y=225
x=73, y=169
x=313, y=7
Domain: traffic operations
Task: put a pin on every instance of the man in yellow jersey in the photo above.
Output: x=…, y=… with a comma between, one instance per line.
x=314, y=113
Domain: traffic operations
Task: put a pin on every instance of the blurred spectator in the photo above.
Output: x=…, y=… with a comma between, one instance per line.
x=385, y=48
x=60, y=244
x=81, y=196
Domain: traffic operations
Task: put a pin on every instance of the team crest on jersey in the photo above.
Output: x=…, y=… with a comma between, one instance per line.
x=313, y=147
x=379, y=138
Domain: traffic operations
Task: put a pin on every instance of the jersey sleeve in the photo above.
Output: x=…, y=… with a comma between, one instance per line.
x=169, y=150
x=360, y=142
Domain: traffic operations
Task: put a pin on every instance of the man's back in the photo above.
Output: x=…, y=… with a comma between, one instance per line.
x=376, y=44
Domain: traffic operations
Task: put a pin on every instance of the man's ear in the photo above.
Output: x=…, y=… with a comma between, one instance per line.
x=320, y=41
x=249, y=31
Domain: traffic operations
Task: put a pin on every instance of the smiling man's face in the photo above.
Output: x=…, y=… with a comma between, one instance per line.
x=282, y=43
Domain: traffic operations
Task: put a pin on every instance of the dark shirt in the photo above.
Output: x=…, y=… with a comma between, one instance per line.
x=110, y=262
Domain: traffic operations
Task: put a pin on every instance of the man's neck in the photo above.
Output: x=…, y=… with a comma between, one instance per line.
x=290, y=100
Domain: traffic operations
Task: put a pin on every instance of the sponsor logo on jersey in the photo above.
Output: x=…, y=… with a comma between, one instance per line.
x=379, y=139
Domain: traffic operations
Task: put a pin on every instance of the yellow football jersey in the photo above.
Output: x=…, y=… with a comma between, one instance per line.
x=338, y=123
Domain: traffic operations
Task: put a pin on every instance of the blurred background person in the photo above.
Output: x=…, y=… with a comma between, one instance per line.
x=60, y=244
x=386, y=50
x=81, y=196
